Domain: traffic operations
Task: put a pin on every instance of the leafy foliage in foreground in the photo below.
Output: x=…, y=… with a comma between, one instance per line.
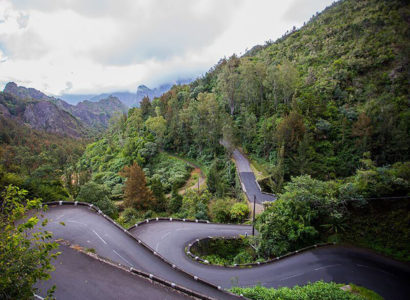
x=24, y=257
x=319, y=290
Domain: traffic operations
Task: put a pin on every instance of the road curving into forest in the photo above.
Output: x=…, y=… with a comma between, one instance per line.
x=168, y=239
x=248, y=180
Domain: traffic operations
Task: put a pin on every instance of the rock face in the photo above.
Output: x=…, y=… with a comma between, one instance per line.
x=127, y=98
x=95, y=114
x=144, y=91
x=54, y=115
x=45, y=115
x=4, y=112
x=23, y=92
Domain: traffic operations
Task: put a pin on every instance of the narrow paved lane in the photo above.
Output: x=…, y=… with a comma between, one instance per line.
x=248, y=179
x=337, y=263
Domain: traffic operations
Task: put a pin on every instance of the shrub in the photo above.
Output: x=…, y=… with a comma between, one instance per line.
x=317, y=290
x=220, y=210
x=98, y=195
x=130, y=214
x=239, y=212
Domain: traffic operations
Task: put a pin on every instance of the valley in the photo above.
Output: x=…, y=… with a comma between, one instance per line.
x=295, y=153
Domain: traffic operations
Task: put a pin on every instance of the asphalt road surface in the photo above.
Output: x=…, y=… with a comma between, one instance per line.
x=248, y=179
x=90, y=230
x=78, y=276
x=84, y=227
x=337, y=263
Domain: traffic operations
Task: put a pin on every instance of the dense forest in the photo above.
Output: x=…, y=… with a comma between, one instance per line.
x=312, y=102
x=323, y=114
x=323, y=111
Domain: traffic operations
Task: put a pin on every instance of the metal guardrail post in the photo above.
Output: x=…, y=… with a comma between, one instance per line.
x=253, y=215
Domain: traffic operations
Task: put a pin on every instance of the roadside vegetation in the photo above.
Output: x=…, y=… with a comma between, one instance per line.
x=311, y=211
x=25, y=258
x=225, y=252
x=317, y=290
x=322, y=112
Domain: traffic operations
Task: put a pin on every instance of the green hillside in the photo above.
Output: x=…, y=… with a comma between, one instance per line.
x=315, y=100
x=322, y=113
x=324, y=110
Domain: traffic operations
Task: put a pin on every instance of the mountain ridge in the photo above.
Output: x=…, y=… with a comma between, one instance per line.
x=128, y=98
x=42, y=112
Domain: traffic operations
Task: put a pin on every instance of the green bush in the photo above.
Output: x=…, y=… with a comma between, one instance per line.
x=130, y=214
x=225, y=251
x=220, y=210
x=195, y=205
x=172, y=172
x=98, y=195
x=319, y=290
x=175, y=202
x=239, y=212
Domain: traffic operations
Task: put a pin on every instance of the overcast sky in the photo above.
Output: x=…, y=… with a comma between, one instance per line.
x=94, y=46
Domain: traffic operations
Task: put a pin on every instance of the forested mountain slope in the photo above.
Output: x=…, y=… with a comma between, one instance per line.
x=317, y=101
x=36, y=160
x=40, y=137
x=314, y=101
x=325, y=111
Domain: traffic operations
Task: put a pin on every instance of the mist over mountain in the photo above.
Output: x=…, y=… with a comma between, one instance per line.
x=128, y=98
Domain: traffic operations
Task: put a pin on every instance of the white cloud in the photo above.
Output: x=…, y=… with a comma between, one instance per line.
x=97, y=46
x=164, y=30
x=302, y=10
x=22, y=20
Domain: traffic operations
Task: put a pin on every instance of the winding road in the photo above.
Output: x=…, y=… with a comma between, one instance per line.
x=87, y=228
x=156, y=248
x=333, y=263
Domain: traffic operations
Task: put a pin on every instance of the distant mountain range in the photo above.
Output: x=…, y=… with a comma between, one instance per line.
x=129, y=99
x=39, y=111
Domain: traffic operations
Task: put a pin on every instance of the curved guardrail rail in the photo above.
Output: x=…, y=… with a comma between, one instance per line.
x=197, y=258
x=145, y=274
x=387, y=270
x=269, y=261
